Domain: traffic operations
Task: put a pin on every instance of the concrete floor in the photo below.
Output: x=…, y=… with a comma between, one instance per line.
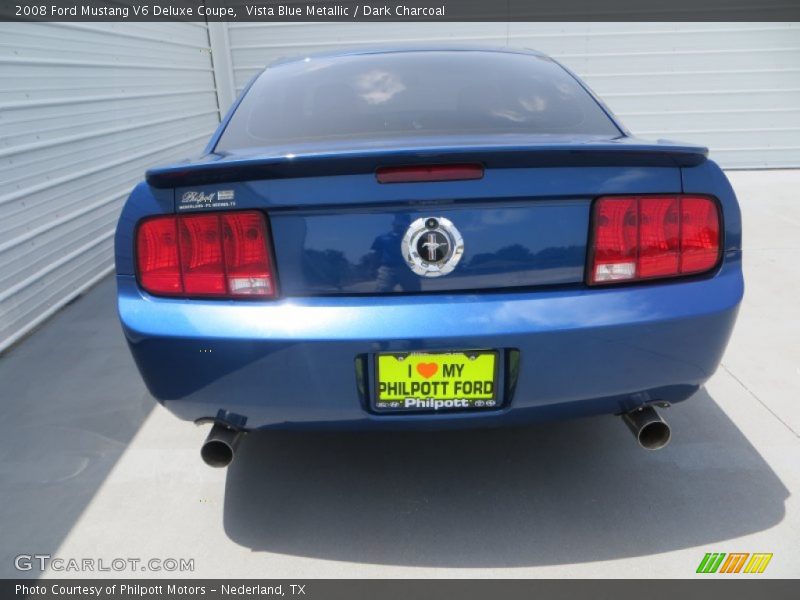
x=90, y=467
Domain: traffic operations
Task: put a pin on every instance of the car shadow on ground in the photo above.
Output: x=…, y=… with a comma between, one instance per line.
x=72, y=401
x=554, y=493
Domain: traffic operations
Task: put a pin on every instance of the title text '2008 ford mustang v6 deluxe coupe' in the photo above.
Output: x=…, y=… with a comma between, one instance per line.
x=427, y=238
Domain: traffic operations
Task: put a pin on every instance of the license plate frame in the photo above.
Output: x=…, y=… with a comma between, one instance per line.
x=444, y=401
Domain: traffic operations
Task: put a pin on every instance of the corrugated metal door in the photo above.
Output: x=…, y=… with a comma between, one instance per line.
x=84, y=110
x=734, y=87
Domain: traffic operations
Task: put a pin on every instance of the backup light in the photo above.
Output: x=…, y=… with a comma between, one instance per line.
x=649, y=237
x=205, y=254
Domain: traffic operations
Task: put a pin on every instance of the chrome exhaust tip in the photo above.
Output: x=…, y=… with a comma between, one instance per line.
x=651, y=431
x=220, y=446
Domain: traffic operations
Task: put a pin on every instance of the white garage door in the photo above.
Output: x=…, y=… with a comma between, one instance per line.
x=84, y=110
x=734, y=87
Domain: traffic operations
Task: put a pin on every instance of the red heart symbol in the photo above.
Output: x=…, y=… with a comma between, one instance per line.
x=427, y=370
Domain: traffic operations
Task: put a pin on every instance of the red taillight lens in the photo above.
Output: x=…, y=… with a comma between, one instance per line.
x=659, y=242
x=699, y=234
x=201, y=255
x=208, y=254
x=419, y=173
x=157, y=256
x=616, y=238
x=648, y=237
x=247, y=262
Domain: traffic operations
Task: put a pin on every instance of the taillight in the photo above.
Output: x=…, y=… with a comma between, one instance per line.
x=420, y=173
x=649, y=237
x=205, y=254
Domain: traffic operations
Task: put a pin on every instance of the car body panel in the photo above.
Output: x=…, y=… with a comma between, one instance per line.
x=306, y=359
x=510, y=245
x=292, y=363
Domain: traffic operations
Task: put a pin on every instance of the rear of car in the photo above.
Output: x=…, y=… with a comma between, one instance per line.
x=427, y=238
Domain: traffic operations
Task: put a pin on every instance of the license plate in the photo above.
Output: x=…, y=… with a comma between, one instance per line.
x=441, y=381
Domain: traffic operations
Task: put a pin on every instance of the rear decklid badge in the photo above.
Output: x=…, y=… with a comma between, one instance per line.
x=432, y=246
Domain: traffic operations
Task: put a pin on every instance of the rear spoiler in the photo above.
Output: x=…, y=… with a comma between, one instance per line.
x=213, y=168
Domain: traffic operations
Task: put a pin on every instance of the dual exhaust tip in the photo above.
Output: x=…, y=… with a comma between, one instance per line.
x=220, y=446
x=650, y=430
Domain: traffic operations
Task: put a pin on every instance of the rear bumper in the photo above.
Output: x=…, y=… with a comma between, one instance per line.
x=292, y=363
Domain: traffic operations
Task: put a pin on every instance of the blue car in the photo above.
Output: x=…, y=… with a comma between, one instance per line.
x=427, y=238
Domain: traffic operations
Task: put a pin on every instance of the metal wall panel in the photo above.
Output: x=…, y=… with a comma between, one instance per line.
x=85, y=109
x=734, y=87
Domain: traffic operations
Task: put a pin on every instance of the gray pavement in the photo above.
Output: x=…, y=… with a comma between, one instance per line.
x=90, y=467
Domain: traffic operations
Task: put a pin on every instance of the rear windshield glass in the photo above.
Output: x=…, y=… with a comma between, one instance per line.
x=379, y=96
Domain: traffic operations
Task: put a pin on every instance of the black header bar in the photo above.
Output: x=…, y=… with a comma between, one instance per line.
x=733, y=588
x=399, y=10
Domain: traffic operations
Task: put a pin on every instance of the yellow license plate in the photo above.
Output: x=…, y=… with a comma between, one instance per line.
x=419, y=381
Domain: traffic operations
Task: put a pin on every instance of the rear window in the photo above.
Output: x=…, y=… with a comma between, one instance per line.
x=379, y=96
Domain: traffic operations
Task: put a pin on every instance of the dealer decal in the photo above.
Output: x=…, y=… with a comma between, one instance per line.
x=201, y=200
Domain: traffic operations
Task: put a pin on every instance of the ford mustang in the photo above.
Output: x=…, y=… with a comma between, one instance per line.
x=427, y=238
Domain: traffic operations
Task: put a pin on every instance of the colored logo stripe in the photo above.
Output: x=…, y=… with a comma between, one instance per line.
x=713, y=562
x=758, y=563
x=734, y=562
